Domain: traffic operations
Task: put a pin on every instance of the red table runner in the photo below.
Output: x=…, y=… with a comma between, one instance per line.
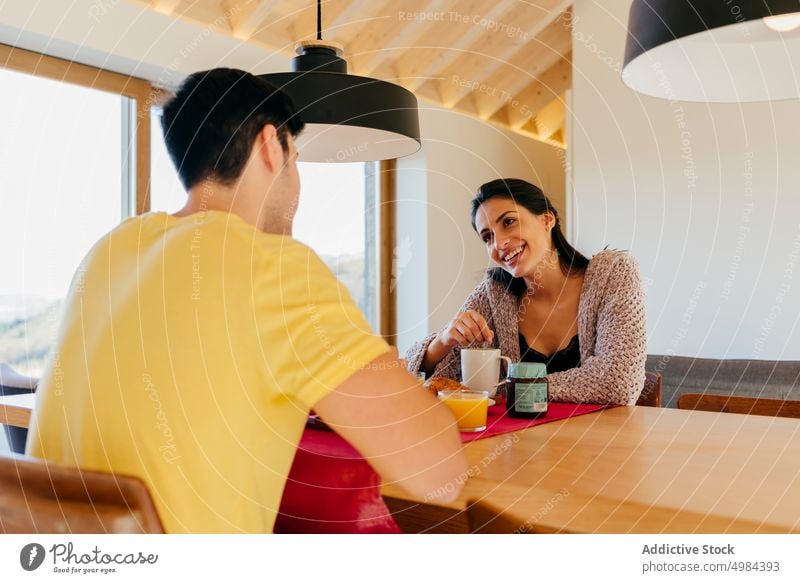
x=332, y=489
x=498, y=421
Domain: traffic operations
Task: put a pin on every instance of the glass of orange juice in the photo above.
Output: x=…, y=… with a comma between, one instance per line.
x=469, y=407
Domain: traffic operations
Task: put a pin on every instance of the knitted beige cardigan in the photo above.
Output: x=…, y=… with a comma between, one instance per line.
x=612, y=333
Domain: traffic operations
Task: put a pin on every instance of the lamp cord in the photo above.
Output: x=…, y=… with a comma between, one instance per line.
x=319, y=19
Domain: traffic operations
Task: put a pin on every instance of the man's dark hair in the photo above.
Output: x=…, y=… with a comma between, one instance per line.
x=211, y=123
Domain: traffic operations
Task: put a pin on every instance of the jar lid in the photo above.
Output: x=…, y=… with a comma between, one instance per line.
x=527, y=370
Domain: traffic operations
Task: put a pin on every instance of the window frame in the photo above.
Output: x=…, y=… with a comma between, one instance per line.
x=57, y=69
x=387, y=235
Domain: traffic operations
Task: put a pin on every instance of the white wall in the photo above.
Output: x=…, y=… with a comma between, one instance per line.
x=705, y=196
x=442, y=258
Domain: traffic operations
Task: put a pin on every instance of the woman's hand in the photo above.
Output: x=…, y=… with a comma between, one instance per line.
x=465, y=329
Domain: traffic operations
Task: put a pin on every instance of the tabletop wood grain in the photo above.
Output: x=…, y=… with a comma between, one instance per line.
x=638, y=469
x=16, y=409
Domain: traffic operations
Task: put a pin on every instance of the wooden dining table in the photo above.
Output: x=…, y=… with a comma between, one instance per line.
x=619, y=470
x=16, y=409
x=625, y=470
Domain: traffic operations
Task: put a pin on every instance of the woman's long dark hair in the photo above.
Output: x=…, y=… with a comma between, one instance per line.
x=532, y=198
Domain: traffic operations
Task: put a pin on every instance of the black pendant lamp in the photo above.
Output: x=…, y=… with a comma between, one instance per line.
x=714, y=50
x=348, y=118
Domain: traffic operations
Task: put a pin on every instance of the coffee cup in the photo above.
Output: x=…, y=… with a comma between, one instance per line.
x=480, y=369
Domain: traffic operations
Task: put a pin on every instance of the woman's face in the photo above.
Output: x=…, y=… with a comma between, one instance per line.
x=516, y=239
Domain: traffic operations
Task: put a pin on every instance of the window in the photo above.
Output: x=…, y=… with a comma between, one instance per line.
x=338, y=218
x=70, y=174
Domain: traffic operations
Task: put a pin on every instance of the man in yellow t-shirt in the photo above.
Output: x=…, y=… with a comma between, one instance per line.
x=193, y=345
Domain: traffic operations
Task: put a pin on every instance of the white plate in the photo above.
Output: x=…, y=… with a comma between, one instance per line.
x=492, y=402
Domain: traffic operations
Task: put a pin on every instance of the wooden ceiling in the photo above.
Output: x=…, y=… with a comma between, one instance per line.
x=503, y=61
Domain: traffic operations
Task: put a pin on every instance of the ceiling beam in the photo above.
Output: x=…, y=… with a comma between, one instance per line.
x=407, y=22
x=246, y=18
x=550, y=119
x=528, y=129
x=351, y=10
x=165, y=6
x=348, y=24
x=447, y=48
x=549, y=50
x=548, y=34
x=550, y=85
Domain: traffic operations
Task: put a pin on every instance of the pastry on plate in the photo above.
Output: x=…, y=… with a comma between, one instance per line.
x=437, y=384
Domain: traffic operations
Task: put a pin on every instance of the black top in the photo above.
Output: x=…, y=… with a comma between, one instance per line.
x=564, y=359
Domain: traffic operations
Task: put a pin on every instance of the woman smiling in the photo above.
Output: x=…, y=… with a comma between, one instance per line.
x=547, y=303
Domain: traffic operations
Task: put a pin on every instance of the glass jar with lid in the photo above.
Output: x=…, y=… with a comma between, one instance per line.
x=527, y=391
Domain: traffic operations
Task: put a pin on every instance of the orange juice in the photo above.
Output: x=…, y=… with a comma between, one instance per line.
x=469, y=407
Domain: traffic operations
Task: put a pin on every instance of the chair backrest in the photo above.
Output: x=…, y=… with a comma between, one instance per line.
x=651, y=394
x=40, y=497
x=744, y=405
x=9, y=378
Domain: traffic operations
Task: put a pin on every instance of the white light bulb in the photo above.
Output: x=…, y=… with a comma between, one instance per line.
x=783, y=22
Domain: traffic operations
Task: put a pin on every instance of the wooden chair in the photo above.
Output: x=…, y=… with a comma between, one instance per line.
x=9, y=378
x=651, y=394
x=744, y=405
x=40, y=497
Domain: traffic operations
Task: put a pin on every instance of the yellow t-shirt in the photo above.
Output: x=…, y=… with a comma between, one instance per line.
x=189, y=354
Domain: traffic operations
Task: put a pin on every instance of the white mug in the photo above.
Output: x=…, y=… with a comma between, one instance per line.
x=480, y=368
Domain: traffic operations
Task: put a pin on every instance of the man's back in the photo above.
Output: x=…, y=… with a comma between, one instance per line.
x=175, y=333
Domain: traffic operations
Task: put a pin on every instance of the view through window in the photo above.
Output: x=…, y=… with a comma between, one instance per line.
x=61, y=158
x=338, y=218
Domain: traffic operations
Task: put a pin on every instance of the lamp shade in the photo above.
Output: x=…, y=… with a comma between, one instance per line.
x=714, y=50
x=348, y=118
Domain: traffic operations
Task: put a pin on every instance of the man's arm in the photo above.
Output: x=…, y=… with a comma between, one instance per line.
x=402, y=430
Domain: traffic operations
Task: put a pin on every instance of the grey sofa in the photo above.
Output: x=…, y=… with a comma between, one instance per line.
x=773, y=379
